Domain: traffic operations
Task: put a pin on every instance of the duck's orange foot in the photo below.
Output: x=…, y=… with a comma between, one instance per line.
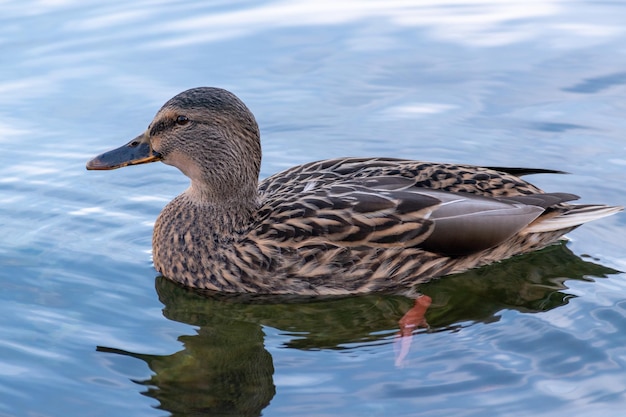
x=413, y=319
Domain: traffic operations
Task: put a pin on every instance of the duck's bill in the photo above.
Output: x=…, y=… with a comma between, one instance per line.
x=137, y=151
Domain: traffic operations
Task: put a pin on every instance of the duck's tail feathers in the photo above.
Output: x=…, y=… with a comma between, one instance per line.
x=574, y=216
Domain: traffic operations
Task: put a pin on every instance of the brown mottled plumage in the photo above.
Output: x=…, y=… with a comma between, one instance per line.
x=340, y=226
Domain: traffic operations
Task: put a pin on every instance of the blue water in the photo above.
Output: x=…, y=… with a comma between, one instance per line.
x=88, y=328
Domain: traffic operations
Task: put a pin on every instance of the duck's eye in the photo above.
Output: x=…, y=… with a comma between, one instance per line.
x=182, y=120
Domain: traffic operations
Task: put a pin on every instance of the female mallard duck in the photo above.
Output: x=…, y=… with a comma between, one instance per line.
x=339, y=226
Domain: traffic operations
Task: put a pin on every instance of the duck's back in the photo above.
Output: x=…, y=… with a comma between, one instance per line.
x=486, y=181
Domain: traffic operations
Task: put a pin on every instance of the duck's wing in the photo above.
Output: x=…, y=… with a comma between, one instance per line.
x=518, y=172
x=466, y=223
x=389, y=211
x=348, y=213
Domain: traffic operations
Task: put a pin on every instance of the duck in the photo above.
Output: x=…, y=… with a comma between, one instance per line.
x=341, y=226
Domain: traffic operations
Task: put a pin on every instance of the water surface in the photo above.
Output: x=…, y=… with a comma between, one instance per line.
x=88, y=327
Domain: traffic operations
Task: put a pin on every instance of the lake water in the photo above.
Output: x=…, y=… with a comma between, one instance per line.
x=89, y=329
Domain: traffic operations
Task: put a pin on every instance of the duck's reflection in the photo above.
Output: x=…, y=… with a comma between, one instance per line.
x=225, y=370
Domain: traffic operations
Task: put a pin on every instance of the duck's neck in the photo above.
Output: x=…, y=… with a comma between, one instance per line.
x=226, y=213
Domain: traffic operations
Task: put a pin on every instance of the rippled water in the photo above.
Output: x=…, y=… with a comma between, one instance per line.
x=88, y=329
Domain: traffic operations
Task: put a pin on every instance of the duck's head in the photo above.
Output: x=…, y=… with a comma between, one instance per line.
x=207, y=133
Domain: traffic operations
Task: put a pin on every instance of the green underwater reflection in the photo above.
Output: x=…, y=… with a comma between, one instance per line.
x=226, y=370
